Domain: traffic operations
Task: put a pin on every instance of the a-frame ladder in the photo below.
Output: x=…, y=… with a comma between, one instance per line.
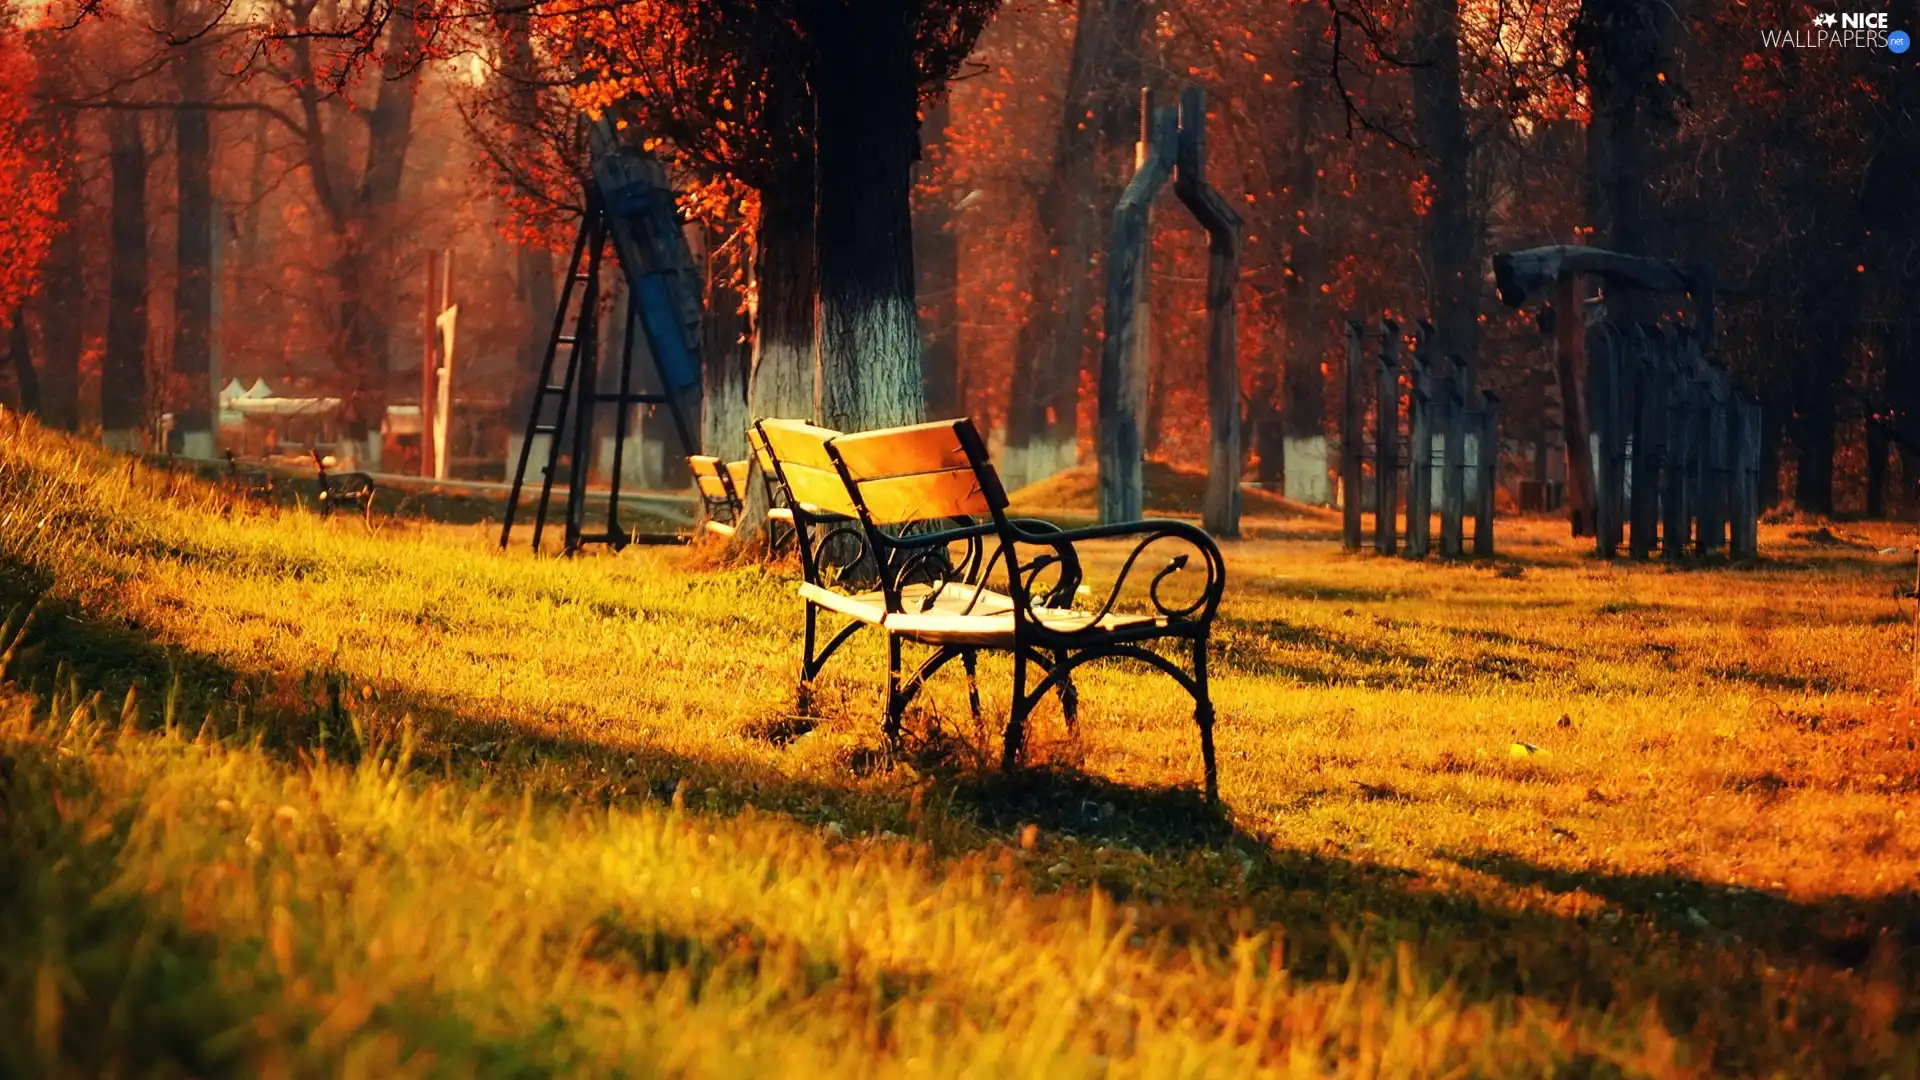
x=577, y=395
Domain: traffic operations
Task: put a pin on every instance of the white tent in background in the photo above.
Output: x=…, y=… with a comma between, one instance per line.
x=233, y=391
x=258, y=390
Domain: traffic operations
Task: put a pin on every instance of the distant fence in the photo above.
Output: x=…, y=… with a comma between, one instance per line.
x=1676, y=452
x=1451, y=446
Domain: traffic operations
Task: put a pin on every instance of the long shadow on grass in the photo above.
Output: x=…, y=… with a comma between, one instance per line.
x=1700, y=952
x=1843, y=931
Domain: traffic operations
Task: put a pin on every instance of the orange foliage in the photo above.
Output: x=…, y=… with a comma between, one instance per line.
x=32, y=183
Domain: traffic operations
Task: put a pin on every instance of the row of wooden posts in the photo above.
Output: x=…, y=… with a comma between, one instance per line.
x=1677, y=452
x=1444, y=412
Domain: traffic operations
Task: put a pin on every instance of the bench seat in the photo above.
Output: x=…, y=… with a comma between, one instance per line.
x=950, y=622
x=996, y=630
x=871, y=607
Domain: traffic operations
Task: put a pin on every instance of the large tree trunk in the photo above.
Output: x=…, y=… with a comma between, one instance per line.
x=1098, y=113
x=1813, y=444
x=1452, y=247
x=63, y=303
x=26, y=381
x=123, y=375
x=1052, y=332
x=785, y=373
x=1624, y=44
x=193, y=283
x=785, y=377
x=534, y=275
x=866, y=102
x=1304, y=307
x=367, y=270
x=726, y=354
x=936, y=243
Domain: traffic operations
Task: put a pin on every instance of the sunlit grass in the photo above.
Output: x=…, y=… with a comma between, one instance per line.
x=290, y=797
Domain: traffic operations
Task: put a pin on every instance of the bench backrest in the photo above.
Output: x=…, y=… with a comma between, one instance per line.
x=717, y=479
x=800, y=460
x=923, y=472
x=757, y=450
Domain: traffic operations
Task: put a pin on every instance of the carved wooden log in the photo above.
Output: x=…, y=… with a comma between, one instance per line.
x=1486, y=474
x=1220, y=512
x=1453, y=464
x=1744, y=438
x=1122, y=485
x=1386, y=440
x=1714, y=506
x=1676, y=529
x=1420, y=447
x=1351, y=434
x=1649, y=404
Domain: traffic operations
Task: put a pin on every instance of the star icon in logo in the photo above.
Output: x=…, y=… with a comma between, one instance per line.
x=1825, y=18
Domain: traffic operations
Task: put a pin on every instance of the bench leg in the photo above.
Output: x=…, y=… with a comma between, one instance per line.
x=1203, y=716
x=896, y=701
x=1017, y=723
x=971, y=661
x=1069, y=697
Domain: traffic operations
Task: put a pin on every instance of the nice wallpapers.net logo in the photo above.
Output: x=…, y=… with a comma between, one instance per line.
x=1841, y=30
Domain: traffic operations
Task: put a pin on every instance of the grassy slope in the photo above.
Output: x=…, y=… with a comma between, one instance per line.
x=396, y=804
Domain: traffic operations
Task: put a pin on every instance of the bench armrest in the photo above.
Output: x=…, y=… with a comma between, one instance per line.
x=930, y=553
x=1180, y=541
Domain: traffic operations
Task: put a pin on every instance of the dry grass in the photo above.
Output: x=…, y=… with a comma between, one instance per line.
x=288, y=798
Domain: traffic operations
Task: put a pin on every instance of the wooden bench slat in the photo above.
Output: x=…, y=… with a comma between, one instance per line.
x=819, y=490
x=796, y=442
x=927, y=496
x=757, y=449
x=942, y=628
x=903, y=451
x=871, y=607
x=711, y=486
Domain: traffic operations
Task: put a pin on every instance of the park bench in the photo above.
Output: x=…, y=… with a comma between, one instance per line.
x=721, y=485
x=723, y=493
x=956, y=574
x=353, y=490
x=779, y=509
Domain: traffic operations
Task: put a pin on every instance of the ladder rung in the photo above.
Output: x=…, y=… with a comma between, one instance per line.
x=566, y=341
x=546, y=429
x=554, y=388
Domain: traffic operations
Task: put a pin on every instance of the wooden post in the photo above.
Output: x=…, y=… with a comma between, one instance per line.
x=1570, y=331
x=1386, y=440
x=1220, y=512
x=1602, y=399
x=1676, y=528
x=431, y=304
x=1420, y=447
x=1649, y=403
x=1717, y=497
x=1487, y=473
x=1351, y=423
x=1121, y=381
x=1700, y=472
x=1453, y=463
x=1743, y=440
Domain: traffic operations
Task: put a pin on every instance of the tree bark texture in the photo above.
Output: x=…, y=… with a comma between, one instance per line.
x=193, y=281
x=866, y=101
x=1452, y=241
x=123, y=375
x=936, y=242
